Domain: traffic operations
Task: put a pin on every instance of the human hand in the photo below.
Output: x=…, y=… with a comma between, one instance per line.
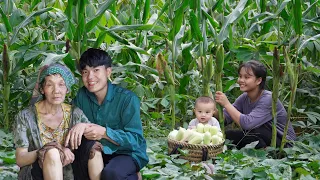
x=75, y=135
x=95, y=132
x=68, y=156
x=221, y=98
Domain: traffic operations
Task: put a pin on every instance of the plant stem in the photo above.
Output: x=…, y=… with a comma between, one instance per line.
x=6, y=85
x=218, y=75
x=275, y=94
x=293, y=76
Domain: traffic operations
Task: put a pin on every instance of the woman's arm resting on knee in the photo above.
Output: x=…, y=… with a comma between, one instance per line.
x=69, y=156
x=23, y=157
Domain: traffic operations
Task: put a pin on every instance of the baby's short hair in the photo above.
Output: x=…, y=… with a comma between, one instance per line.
x=204, y=99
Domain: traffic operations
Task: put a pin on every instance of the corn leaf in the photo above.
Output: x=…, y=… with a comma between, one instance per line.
x=305, y=43
x=217, y=5
x=140, y=27
x=113, y=34
x=176, y=45
x=235, y=14
x=137, y=9
x=100, y=39
x=6, y=21
x=195, y=29
x=311, y=9
x=178, y=18
x=146, y=11
x=27, y=21
x=68, y=10
x=297, y=15
x=212, y=21
x=92, y=23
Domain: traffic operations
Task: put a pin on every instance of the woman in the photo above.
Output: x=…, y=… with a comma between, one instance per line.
x=41, y=128
x=252, y=110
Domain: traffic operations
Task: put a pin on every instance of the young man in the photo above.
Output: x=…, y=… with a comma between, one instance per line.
x=115, y=114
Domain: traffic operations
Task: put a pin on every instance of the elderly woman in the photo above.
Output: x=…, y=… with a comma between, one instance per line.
x=42, y=128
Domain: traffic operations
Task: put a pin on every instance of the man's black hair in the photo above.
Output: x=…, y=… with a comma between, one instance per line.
x=258, y=69
x=95, y=57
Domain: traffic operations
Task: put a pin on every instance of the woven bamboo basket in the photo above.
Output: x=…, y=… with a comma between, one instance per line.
x=196, y=152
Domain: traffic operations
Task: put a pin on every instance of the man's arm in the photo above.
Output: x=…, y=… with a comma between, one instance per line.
x=131, y=133
x=130, y=137
x=97, y=132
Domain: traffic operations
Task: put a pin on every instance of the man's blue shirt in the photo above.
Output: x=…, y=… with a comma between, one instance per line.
x=119, y=113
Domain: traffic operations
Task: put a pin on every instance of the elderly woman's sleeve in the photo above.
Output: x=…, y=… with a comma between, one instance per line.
x=79, y=116
x=21, y=130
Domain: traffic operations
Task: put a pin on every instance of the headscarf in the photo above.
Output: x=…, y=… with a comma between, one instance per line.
x=58, y=68
x=55, y=68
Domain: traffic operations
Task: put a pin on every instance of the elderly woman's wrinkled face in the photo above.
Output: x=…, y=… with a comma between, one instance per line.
x=54, y=89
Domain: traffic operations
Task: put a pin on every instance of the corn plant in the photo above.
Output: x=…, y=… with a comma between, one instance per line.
x=207, y=76
x=163, y=68
x=6, y=85
x=81, y=21
x=10, y=45
x=275, y=94
x=292, y=71
x=218, y=81
x=183, y=31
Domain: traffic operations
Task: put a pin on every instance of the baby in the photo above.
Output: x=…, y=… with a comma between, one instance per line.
x=204, y=108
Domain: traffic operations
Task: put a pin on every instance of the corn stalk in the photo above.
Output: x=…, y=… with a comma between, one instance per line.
x=218, y=81
x=80, y=25
x=207, y=75
x=292, y=71
x=6, y=85
x=163, y=68
x=275, y=94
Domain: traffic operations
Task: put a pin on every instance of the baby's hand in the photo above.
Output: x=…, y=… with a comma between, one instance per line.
x=192, y=127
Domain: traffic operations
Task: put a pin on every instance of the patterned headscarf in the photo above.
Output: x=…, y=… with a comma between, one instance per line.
x=55, y=68
x=58, y=68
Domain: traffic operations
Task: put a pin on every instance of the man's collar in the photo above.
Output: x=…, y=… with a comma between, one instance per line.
x=110, y=91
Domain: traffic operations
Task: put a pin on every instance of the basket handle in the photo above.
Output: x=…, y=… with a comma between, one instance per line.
x=204, y=154
x=175, y=149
